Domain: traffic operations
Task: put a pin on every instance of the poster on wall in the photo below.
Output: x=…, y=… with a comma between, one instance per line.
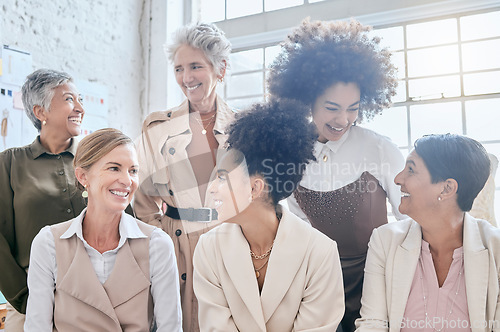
x=16, y=128
x=95, y=103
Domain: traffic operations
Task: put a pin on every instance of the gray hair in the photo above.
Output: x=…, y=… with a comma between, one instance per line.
x=206, y=37
x=38, y=90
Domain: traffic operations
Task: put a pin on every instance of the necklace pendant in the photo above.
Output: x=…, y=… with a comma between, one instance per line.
x=257, y=274
x=204, y=132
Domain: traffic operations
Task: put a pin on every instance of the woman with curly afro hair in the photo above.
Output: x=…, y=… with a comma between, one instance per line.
x=264, y=269
x=344, y=77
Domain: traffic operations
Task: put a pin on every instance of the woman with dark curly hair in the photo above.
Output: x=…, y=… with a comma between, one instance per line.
x=264, y=269
x=344, y=77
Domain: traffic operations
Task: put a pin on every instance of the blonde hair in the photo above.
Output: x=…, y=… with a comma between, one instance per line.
x=96, y=145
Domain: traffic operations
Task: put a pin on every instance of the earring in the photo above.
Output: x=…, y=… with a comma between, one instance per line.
x=44, y=122
x=439, y=198
x=85, y=193
x=221, y=79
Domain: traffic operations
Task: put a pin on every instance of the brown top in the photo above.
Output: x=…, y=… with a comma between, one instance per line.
x=37, y=188
x=347, y=215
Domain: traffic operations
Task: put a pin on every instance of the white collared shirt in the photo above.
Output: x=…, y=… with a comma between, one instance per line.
x=339, y=163
x=164, y=277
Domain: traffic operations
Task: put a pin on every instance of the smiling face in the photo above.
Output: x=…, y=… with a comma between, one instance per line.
x=335, y=111
x=418, y=194
x=231, y=191
x=66, y=112
x=195, y=75
x=112, y=180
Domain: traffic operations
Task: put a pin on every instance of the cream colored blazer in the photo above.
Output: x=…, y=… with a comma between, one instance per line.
x=303, y=289
x=392, y=259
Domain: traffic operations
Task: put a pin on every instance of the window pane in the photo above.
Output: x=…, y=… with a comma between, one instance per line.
x=313, y=1
x=434, y=88
x=481, y=83
x=271, y=53
x=480, y=26
x=432, y=33
x=247, y=60
x=438, y=118
x=398, y=59
x=280, y=4
x=244, y=85
x=391, y=123
x=392, y=38
x=481, y=55
x=238, y=8
x=400, y=93
x=433, y=61
x=483, y=117
x=243, y=103
x=212, y=10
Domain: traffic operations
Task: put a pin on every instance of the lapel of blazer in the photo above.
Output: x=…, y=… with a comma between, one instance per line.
x=235, y=253
x=476, y=265
x=120, y=288
x=405, y=264
x=81, y=283
x=290, y=247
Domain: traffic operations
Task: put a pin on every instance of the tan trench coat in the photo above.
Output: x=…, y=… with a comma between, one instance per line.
x=167, y=177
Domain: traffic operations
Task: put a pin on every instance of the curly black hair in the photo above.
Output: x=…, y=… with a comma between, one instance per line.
x=317, y=55
x=276, y=142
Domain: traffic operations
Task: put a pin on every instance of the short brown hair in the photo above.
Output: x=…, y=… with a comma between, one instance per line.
x=96, y=145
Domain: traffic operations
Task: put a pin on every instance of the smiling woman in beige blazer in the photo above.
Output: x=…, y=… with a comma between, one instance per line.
x=438, y=271
x=264, y=269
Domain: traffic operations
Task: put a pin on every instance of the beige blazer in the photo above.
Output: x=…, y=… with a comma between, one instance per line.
x=167, y=176
x=303, y=289
x=392, y=259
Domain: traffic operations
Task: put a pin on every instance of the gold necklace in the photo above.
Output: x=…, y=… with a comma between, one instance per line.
x=204, y=128
x=264, y=255
x=257, y=273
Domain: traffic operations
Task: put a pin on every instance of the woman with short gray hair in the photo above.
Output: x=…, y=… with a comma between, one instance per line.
x=37, y=182
x=179, y=150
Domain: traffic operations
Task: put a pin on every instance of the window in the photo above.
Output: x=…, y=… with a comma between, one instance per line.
x=450, y=81
x=449, y=72
x=218, y=10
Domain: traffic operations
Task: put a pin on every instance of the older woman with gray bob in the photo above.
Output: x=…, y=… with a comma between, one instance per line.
x=180, y=148
x=37, y=182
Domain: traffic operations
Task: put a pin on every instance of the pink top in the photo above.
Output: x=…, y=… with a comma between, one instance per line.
x=437, y=302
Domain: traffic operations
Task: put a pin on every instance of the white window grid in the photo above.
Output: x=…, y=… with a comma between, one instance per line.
x=405, y=105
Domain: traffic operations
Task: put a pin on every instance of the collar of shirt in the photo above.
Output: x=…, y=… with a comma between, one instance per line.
x=37, y=148
x=128, y=229
x=333, y=146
